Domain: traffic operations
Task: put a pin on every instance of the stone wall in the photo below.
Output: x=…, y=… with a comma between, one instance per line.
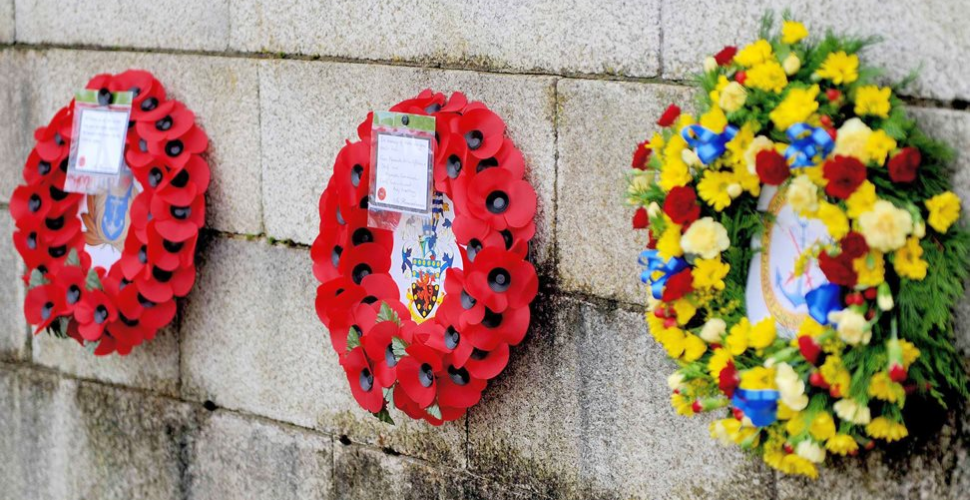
x=243, y=397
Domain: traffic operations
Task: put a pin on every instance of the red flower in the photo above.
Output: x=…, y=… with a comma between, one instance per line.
x=502, y=279
x=161, y=285
x=854, y=245
x=845, y=174
x=378, y=345
x=678, y=285
x=169, y=255
x=475, y=234
x=487, y=365
x=72, y=280
x=809, y=348
x=335, y=299
x=838, y=269
x=362, y=382
x=772, y=167
x=360, y=317
x=351, y=174
x=170, y=121
x=53, y=141
x=903, y=165
x=363, y=260
x=457, y=388
x=453, y=162
x=448, y=339
x=484, y=132
x=175, y=222
x=726, y=55
x=417, y=374
x=670, y=115
x=640, y=219
x=641, y=155
x=93, y=314
x=29, y=205
x=494, y=328
x=500, y=199
x=183, y=186
x=178, y=151
x=43, y=305
x=681, y=205
x=728, y=379
x=426, y=103
x=38, y=171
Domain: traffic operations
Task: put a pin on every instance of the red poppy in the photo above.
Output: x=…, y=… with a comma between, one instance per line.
x=641, y=220
x=426, y=103
x=670, y=115
x=93, y=313
x=484, y=132
x=681, y=205
x=146, y=91
x=72, y=281
x=178, y=223
x=167, y=254
x=351, y=173
x=363, y=385
x=453, y=162
x=178, y=151
x=160, y=285
x=30, y=248
x=53, y=141
x=38, y=171
x=360, y=317
x=29, y=205
x=726, y=55
x=448, y=339
x=501, y=200
x=379, y=346
x=845, y=174
x=838, y=269
x=502, y=279
x=772, y=167
x=457, y=388
x=475, y=234
x=365, y=259
x=904, y=164
x=380, y=288
x=486, y=365
x=641, y=155
x=417, y=374
x=507, y=158
x=335, y=300
x=678, y=285
x=43, y=305
x=728, y=379
x=183, y=186
x=169, y=122
x=494, y=328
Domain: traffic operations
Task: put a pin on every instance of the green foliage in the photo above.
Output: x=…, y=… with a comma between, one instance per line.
x=37, y=278
x=353, y=338
x=93, y=282
x=384, y=416
x=388, y=314
x=399, y=347
x=434, y=410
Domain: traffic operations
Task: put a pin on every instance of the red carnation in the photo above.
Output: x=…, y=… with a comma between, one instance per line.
x=838, y=269
x=903, y=166
x=728, y=379
x=681, y=205
x=641, y=156
x=809, y=348
x=726, y=55
x=671, y=114
x=678, y=285
x=640, y=219
x=845, y=174
x=772, y=167
x=854, y=245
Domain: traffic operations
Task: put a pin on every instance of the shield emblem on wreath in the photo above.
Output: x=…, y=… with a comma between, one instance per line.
x=425, y=296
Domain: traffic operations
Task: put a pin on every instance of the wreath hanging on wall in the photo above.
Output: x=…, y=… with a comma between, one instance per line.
x=804, y=255
x=415, y=326
x=149, y=230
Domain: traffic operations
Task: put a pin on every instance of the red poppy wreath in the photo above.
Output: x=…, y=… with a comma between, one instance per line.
x=405, y=338
x=105, y=269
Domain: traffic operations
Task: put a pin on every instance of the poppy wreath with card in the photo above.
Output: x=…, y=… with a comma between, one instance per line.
x=801, y=123
x=437, y=368
x=151, y=229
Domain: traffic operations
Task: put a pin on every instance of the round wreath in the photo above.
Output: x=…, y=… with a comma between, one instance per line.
x=805, y=118
x=113, y=310
x=437, y=369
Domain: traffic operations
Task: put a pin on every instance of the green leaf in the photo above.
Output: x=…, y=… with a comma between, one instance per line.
x=434, y=411
x=399, y=346
x=384, y=416
x=37, y=278
x=72, y=258
x=90, y=346
x=389, y=395
x=353, y=338
x=388, y=314
x=93, y=282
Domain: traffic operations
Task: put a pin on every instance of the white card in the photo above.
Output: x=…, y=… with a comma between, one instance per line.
x=101, y=141
x=403, y=174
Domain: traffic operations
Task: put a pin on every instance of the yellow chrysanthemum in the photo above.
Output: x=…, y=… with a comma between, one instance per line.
x=713, y=189
x=878, y=147
x=795, y=424
x=737, y=340
x=756, y=53
x=694, y=348
x=883, y=428
x=758, y=378
x=718, y=361
x=834, y=219
x=823, y=426
x=748, y=181
x=674, y=172
x=657, y=142
x=882, y=387
x=763, y=334
x=835, y=374
x=792, y=32
x=655, y=326
x=872, y=100
x=714, y=120
x=715, y=94
x=798, y=106
x=842, y=444
x=736, y=147
x=682, y=405
x=944, y=210
x=862, y=200
x=840, y=68
x=871, y=269
x=669, y=242
x=710, y=273
x=684, y=310
x=908, y=260
x=910, y=352
x=768, y=76
x=794, y=464
x=810, y=327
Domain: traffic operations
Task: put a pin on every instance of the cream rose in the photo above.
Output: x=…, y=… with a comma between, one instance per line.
x=851, y=411
x=759, y=144
x=885, y=226
x=705, y=238
x=733, y=97
x=851, y=139
x=852, y=326
x=791, y=387
x=675, y=381
x=712, y=331
x=792, y=64
x=810, y=451
x=803, y=195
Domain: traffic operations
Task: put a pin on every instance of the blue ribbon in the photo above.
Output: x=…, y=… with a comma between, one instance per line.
x=761, y=405
x=807, y=142
x=708, y=145
x=654, y=263
x=823, y=300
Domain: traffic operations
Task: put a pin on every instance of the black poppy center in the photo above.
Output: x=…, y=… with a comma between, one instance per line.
x=143, y=145
x=142, y=301
x=507, y=236
x=335, y=255
x=486, y=164
x=363, y=203
x=361, y=236
x=497, y=202
x=389, y=356
x=366, y=380
x=181, y=179
x=474, y=246
x=355, y=174
x=100, y=314
x=499, y=280
x=73, y=294
x=174, y=148
x=43, y=168
x=32, y=241
x=161, y=275
x=54, y=224
x=143, y=254
x=452, y=337
x=149, y=104
x=368, y=300
x=478, y=354
x=58, y=139
x=491, y=319
x=135, y=91
x=172, y=246
x=405, y=120
x=340, y=217
x=126, y=321
x=432, y=108
x=458, y=375
x=34, y=203
x=426, y=375
x=474, y=139
x=164, y=124
x=104, y=97
x=360, y=272
x=46, y=311
x=63, y=165
x=180, y=213
x=453, y=166
x=467, y=301
x=57, y=252
x=57, y=194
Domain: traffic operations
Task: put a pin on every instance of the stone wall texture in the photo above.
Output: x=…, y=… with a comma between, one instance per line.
x=242, y=396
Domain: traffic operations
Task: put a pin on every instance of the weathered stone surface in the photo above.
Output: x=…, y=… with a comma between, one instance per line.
x=16, y=71
x=251, y=340
x=611, y=37
x=13, y=326
x=916, y=35
x=223, y=94
x=362, y=473
x=154, y=365
x=583, y=411
x=201, y=25
x=310, y=108
x=600, y=124
x=7, y=24
x=76, y=440
x=240, y=457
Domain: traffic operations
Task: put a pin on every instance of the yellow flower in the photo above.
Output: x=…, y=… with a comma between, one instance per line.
x=835, y=374
x=674, y=171
x=823, y=426
x=810, y=327
x=794, y=464
x=791, y=64
x=802, y=195
x=852, y=411
x=748, y=181
x=882, y=387
x=885, y=227
x=758, y=378
x=672, y=340
x=908, y=261
x=768, y=76
x=682, y=405
x=756, y=53
x=705, y=238
x=737, y=339
x=841, y=444
x=757, y=145
x=732, y=97
x=872, y=100
x=944, y=210
x=718, y=361
x=910, y=352
x=655, y=326
x=713, y=189
x=798, y=106
x=792, y=32
x=871, y=269
x=684, y=310
x=710, y=273
x=852, y=138
x=840, y=68
x=669, y=242
x=883, y=428
x=834, y=218
x=763, y=334
x=736, y=147
x=694, y=348
x=715, y=94
x=657, y=142
x=878, y=147
x=862, y=200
